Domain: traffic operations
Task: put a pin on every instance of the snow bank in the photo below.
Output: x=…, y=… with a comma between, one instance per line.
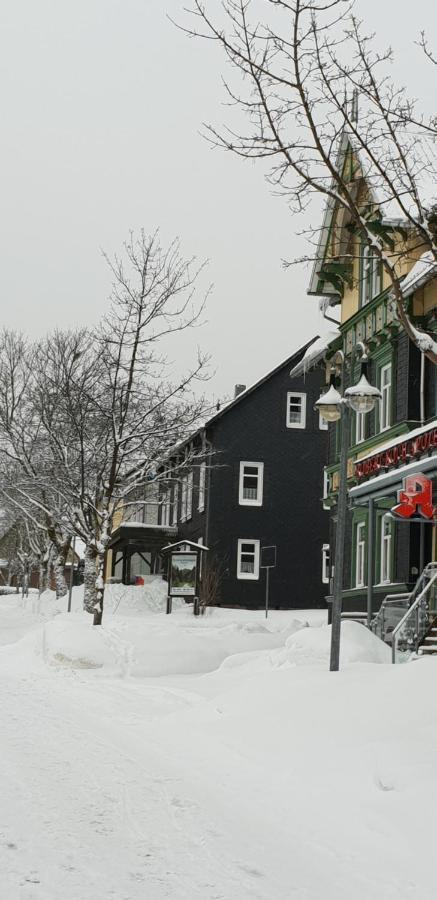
x=72, y=642
x=311, y=646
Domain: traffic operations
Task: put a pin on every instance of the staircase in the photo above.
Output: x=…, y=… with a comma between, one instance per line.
x=428, y=646
x=408, y=622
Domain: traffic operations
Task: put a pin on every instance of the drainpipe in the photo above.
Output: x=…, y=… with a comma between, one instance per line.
x=422, y=388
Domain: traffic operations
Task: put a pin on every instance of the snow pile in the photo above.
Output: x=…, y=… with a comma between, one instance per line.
x=74, y=643
x=311, y=646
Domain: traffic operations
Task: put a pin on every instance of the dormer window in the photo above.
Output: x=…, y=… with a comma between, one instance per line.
x=370, y=279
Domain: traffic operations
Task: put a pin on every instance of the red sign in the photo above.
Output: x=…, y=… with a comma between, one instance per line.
x=396, y=455
x=415, y=498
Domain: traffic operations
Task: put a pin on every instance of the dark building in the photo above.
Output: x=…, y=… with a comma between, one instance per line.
x=260, y=485
x=251, y=478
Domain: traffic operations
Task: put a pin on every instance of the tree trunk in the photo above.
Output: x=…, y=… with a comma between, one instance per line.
x=42, y=577
x=59, y=573
x=89, y=581
x=100, y=590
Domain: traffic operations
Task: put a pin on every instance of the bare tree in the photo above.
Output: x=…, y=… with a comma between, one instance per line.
x=26, y=482
x=110, y=410
x=292, y=64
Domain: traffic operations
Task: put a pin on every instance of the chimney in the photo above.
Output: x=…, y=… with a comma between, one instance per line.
x=238, y=389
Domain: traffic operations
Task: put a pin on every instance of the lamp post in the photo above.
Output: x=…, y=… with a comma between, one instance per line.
x=362, y=398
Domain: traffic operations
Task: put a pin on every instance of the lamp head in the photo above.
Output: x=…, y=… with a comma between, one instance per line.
x=363, y=396
x=329, y=405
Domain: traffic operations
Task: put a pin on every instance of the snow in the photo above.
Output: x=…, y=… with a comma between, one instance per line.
x=311, y=646
x=314, y=353
x=244, y=770
x=423, y=270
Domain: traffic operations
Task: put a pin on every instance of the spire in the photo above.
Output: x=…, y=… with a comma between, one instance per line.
x=354, y=109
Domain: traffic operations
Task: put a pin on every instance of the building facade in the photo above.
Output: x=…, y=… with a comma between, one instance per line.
x=384, y=552
x=253, y=479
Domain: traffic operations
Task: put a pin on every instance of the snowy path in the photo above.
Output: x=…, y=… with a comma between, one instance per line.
x=258, y=781
x=83, y=817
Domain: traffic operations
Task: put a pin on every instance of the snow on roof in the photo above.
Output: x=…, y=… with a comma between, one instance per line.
x=423, y=270
x=314, y=353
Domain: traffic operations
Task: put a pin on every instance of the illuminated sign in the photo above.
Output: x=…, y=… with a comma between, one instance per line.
x=415, y=498
x=399, y=454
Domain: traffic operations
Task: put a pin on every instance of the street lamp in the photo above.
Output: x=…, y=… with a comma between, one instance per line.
x=362, y=398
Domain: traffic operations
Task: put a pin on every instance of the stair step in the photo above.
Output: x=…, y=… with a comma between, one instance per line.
x=432, y=639
x=430, y=650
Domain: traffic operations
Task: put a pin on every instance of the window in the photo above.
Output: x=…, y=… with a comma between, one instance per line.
x=248, y=559
x=187, y=497
x=296, y=410
x=360, y=427
x=386, y=538
x=250, y=491
x=325, y=563
x=174, y=516
x=200, y=541
x=165, y=508
x=323, y=424
x=202, y=477
x=385, y=385
x=371, y=280
x=325, y=489
x=360, y=554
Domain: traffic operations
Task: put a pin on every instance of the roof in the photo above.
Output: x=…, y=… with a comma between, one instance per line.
x=182, y=543
x=253, y=387
x=423, y=271
x=379, y=194
x=314, y=354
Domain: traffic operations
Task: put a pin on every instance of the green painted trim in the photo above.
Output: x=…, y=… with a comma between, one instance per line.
x=384, y=589
x=364, y=311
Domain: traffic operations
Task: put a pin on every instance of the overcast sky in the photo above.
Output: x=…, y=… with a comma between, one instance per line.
x=102, y=103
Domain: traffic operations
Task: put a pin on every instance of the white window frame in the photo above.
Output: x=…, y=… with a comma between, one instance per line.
x=323, y=424
x=202, y=481
x=184, y=496
x=370, y=276
x=385, y=550
x=325, y=563
x=385, y=404
x=360, y=427
x=165, y=507
x=325, y=489
x=258, y=501
x=200, y=541
x=189, y=495
x=360, y=554
x=174, y=514
x=303, y=408
x=248, y=576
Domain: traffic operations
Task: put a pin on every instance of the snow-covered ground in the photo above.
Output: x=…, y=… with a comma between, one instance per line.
x=211, y=759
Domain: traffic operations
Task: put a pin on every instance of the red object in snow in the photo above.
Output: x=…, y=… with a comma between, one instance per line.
x=139, y=579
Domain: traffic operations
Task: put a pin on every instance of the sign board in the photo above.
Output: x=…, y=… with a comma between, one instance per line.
x=398, y=454
x=268, y=557
x=183, y=574
x=415, y=499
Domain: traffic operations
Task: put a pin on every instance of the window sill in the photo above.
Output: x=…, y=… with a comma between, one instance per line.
x=247, y=577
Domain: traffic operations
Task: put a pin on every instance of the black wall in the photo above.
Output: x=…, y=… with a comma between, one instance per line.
x=291, y=515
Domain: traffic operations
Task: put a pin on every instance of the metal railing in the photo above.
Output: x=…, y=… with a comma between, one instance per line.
x=390, y=613
x=146, y=513
x=410, y=631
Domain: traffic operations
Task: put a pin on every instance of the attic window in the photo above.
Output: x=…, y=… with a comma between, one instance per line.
x=370, y=280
